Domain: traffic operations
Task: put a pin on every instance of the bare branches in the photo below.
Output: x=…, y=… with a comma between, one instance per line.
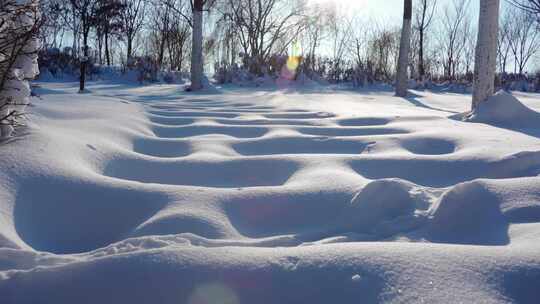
x=455, y=26
x=424, y=11
x=262, y=24
x=19, y=26
x=531, y=6
x=522, y=37
x=132, y=16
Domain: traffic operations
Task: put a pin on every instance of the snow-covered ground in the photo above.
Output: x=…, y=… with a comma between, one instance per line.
x=151, y=195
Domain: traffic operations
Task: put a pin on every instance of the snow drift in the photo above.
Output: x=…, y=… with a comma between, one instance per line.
x=506, y=110
x=145, y=195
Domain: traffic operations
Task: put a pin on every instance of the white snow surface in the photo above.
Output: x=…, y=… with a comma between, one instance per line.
x=152, y=195
x=506, y=110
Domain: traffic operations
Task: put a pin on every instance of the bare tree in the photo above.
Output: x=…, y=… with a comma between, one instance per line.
x=93, y=14
x=161, y=22
x=405, y=45
x=424, y=12
x=523, y=38
x=532, y=6
x=312, y=36
x=503, y=45
x=177, y=38
x=469, y=49
x=359, y=52
x=86, y=13
x=107, y=23
x=226, y=37
x=381, y=52
x=340, y=30
x=261, y=24
x=53, y=29
x=486, y=52
x=132, y=16
x=453, y=37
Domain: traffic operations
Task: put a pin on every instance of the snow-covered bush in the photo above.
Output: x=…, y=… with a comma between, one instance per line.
x=278, y=67
x=19, y=24
x=57, y=62
x=147, y=69
x=518, y=82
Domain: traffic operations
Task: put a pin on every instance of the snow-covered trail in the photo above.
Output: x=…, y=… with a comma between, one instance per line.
x=149, y=196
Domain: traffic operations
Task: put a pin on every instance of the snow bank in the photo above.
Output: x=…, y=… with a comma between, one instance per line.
x=506, y=110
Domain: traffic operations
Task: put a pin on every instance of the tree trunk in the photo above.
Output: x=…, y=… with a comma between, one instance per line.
x=100, y=48
x=404, y=47
x=421, y=68
x=107, y=53
x=84, y=61
x=161, y=51
x=486, y=51
x=129, y=49
x=422, y=29
x=197, y=44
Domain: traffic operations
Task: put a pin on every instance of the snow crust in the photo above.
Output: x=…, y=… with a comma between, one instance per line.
x=152, y=195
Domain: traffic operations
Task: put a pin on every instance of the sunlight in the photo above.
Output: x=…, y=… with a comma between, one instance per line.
x=349, y=4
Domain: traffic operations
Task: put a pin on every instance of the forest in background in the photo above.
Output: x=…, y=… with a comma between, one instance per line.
x=246, y=40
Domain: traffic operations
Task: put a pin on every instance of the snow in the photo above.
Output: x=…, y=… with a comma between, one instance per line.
x=506, y=110
x=149, y=194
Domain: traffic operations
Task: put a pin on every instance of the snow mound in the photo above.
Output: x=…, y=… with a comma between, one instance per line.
x=387, y=206
x=469, y=214
x=505, y=109
x=480, y=211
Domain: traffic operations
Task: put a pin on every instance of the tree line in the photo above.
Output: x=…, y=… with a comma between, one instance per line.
x=258, y=37
x=254, y=34
x=266, y=38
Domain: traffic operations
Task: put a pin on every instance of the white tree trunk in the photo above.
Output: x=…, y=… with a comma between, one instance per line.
x=196, y=52
x=15, y=92
x=404, y=48
x=486, y=51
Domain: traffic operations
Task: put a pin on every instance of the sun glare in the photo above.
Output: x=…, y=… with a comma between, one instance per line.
x=354, y=4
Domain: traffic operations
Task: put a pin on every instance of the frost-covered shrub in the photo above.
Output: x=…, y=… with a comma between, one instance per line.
x=537, y=82
x=57, y=62
x=19, y=25
x=147, y=69
x=169, y=77
x=225, y=73
x=278, y=67
x=172, y=77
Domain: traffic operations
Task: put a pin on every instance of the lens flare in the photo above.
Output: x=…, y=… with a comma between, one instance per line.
x=292, y=63
x=213, y=293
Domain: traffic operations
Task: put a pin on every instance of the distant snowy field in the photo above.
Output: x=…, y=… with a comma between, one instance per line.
x=151, y=195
